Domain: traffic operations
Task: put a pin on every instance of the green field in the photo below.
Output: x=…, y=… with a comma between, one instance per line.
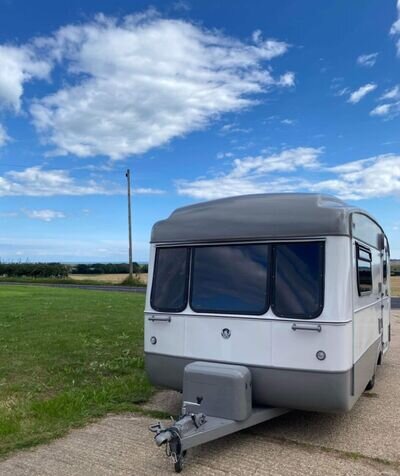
x=66, y=357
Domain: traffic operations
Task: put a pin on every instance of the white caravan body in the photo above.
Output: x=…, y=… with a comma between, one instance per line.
x=293, y=286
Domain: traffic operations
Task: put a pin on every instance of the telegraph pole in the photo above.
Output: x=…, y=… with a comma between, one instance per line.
x=128, y=177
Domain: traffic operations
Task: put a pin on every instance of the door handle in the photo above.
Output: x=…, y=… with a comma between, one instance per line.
x=303, y=327
x=160, y=319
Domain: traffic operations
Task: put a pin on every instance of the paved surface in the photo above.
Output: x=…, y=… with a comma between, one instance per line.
x=92, y=287
x=364, y=442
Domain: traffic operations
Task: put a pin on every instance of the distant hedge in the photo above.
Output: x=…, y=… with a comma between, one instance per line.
x=58, y=270
x=34, y=270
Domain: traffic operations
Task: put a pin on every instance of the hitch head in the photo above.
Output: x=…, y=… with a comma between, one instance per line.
x=164, y=436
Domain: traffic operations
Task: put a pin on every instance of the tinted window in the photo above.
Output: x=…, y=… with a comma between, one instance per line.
x=364, y=270
x=366, y=230
x=230, y=279
x=169, y=290
x=298, y=279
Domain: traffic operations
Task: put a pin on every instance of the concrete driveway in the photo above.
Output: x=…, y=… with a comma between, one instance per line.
x=364, y=442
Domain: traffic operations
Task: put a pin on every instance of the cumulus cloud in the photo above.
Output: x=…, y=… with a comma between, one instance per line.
x=44, y=215
x=361, y=92
x=19, y=65
x=255, y=174
x=374, y=177
x=3, y=136
x=38, y=182
x=367, y=60
x=300, y=170
x=137, y=83
x=35, y=181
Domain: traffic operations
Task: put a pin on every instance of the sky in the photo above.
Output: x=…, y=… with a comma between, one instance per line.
x=201, y=100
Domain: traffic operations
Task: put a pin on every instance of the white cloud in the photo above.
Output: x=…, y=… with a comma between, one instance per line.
x=37, y=182
x=359, y=93
x=342, y=91
x=138, y=83
x=377, y=176
x=300, y=170
x=395, y=28
x=287, y=80
x=367, y=60
x=34, y=181
x=288, y=122
x=3, y=136
x=254, y=175
x=393, y=93
x=18, y=65
x=44, y=215
x=390, y=108
x=224, y=155
x=233, y=128
x=148, y=191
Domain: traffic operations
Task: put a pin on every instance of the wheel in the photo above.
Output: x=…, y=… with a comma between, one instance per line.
x=371, y=383
x=179, y=464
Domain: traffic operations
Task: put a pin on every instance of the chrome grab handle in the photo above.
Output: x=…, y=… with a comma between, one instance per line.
x=303, y=327
x=160, y=319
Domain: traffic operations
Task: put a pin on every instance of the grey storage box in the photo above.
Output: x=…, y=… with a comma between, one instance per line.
x=221, y=390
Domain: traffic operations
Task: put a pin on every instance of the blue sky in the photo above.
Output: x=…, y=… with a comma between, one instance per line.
x=200, y=100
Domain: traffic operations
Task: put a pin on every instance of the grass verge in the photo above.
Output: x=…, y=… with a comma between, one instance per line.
x=66, y=357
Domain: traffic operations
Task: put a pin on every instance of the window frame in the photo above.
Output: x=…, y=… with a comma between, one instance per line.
x=186, y=289
x=321, y=273
x=270, y=278
x=229, y=312
x=364, y=249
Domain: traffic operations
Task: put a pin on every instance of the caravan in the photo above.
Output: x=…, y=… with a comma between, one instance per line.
x=292, y=287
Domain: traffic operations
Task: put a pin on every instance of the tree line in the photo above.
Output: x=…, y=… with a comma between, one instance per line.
x=34, y=270
x=59, y=270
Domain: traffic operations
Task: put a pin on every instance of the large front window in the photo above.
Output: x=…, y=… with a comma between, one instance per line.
x=241, y=279
x=230, y=279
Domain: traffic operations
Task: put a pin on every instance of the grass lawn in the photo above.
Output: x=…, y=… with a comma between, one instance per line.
x=66, y=356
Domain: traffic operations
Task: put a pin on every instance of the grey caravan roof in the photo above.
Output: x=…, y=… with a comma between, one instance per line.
x=256, y=217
